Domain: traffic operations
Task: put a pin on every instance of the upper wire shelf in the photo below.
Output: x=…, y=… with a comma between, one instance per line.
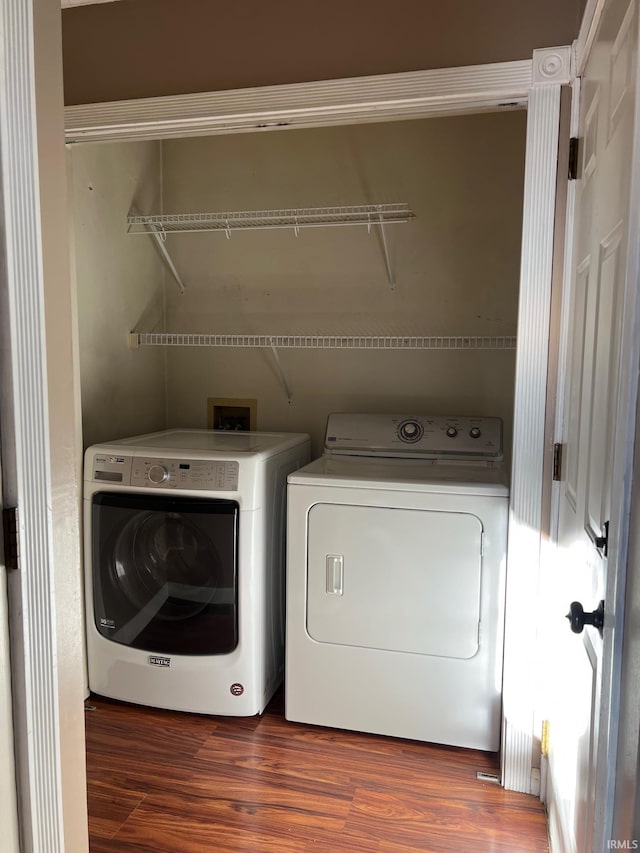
x=307, y=217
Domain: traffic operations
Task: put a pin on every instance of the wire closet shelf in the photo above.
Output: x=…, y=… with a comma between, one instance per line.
x=405, y=342
x=365, y=214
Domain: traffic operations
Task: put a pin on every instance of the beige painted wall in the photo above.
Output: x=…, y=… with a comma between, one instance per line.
x=119, y=284
x=456, y=266
x=145, y=48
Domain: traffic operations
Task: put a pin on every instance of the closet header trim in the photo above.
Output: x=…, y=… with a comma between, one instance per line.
x=415, y=94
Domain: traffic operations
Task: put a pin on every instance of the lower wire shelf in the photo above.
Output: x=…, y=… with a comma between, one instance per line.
x=390, y=342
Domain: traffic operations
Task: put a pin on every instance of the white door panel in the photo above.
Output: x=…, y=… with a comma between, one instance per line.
x=397, y=579
x=590, y=406
x=603, y=396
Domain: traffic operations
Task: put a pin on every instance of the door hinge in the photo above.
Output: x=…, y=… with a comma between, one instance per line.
x=574, y=151
x=557, y=462
x=10, y=533
x=600, y=542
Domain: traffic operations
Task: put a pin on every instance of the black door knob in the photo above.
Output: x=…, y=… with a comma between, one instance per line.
x=578, y=618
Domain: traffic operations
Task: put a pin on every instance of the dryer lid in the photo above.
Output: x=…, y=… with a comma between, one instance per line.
x=407, y=475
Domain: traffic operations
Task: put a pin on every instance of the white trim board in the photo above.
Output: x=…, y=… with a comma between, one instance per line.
x=533, y=84
x=25, y=437
x=385, y=97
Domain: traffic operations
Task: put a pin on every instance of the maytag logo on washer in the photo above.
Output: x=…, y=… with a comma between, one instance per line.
x=157, y=660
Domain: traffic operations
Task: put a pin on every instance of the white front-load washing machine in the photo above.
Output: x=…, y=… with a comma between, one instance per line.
x=396, y=556
x=184, y=567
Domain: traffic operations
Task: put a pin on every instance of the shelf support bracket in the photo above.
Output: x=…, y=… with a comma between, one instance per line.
x=159, y=237
x=283, y=378
x=385, y=248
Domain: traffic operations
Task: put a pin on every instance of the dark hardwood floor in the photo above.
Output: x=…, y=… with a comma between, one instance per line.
x=179, y=783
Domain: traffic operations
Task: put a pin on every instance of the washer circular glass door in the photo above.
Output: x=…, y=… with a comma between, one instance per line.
x=165, y=572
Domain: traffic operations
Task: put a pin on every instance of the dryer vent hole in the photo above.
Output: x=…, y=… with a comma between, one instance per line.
x=231, y=414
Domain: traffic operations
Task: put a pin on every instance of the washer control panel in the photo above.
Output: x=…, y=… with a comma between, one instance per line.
x=193, y=474
x=419, y=436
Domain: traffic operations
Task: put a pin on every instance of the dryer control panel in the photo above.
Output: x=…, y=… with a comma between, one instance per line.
x=193, y=474
x=416, y=436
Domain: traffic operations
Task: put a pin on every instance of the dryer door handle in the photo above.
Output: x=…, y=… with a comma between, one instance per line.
x=335, y=574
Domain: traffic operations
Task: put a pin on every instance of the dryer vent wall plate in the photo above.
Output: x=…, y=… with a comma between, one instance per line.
x=231, y=413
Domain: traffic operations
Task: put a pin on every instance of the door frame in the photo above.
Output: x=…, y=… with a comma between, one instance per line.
x=532, y=84
x=25, y=444
x=535, y=84
x=41, y=435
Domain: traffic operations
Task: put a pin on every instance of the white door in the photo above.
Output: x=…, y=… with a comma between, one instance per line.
x=593, y=360
x=8, y=794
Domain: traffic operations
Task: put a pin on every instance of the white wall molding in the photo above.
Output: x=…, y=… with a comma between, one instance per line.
x=551, y=66
x=528, y=446
x=361, y=99
x=26, y=445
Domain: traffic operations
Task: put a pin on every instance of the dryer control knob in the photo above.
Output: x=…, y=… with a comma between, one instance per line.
x=158, y=474
x=474, y=432
x=410, y=431
x=452, y=432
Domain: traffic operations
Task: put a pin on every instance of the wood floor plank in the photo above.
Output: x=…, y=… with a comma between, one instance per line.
x=110, y=810
x=167, y=782
x=443, y=823
x=336, y=766
x=155, y=832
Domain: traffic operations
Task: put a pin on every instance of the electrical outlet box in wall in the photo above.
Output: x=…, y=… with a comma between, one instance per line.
x=231, y=413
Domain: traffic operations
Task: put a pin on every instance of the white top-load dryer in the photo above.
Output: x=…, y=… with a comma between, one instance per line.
x=395, y=579
x=184, y=563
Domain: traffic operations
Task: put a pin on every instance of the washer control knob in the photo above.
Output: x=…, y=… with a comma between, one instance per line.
x=410, y=431
x=474, y=432
x=158, y=474
x=452, y=432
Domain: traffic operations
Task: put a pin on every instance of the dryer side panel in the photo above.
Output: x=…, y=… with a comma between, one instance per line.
x=405, y=580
